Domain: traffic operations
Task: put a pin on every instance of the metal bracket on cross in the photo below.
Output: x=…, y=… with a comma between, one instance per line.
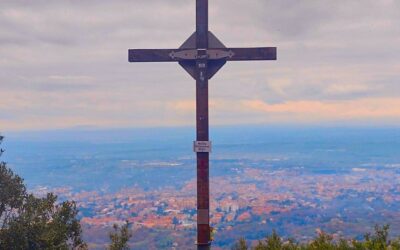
x=213, y=65
x=217, y=54
x=194, y=54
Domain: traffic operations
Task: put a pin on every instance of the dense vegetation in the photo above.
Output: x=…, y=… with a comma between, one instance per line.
x=377, y=241
x=120, y=237
x=30, y=222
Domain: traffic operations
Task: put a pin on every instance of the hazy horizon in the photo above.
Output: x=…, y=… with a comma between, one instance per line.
x=291, y=179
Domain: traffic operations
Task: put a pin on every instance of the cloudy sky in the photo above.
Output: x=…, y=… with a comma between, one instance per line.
x=64, y=63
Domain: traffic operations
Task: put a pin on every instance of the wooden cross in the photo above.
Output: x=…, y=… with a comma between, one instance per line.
x=202, y=55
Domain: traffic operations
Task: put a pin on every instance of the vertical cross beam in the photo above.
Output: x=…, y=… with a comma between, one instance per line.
x=202, y=55
x=202, y=23
x=202, y=126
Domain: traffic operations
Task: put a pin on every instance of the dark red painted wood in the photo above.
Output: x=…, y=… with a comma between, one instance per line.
x=202, y=68
x=252, y=54
x=150, y=55
x=202, y=126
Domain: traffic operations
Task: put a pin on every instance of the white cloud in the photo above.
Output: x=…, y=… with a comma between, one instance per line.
x=64, y=63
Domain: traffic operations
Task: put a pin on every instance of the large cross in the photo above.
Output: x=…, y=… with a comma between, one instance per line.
x=202, y=55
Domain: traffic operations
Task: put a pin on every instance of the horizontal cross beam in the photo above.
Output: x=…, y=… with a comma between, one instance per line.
x=150, y=55
x=253, y=54
x=176, y=55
